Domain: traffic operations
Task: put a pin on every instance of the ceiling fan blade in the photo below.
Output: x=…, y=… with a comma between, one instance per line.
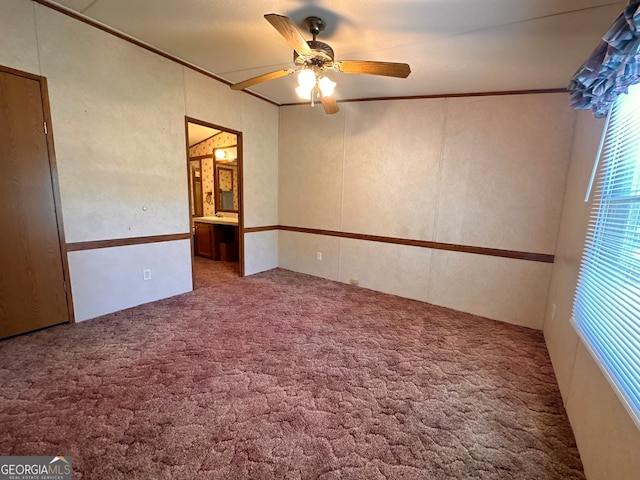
x=262, y=78
x=330, y=105
x=387, y=69
x=290, y=32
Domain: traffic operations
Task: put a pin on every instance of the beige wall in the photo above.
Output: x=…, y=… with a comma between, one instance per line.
x=480, y=171
x=118, y=114
x=607, y=437
x=18, y=42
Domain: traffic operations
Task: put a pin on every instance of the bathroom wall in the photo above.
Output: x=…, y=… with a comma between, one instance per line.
x=205, y=147
x=209, y=208
x=486, y=171
x=118, y=114
x=222, y=139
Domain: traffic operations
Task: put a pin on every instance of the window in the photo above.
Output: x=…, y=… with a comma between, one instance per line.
x=607, y=304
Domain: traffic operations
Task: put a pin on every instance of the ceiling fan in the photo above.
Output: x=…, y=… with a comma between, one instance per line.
x=313, y=58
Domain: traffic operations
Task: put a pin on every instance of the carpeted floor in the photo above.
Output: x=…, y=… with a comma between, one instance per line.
x=285, y=376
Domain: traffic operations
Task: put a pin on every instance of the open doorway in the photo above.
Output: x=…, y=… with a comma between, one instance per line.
x=214, y=166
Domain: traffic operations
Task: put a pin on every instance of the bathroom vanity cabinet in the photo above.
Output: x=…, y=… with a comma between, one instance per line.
x=204, y=240
x=216, y=238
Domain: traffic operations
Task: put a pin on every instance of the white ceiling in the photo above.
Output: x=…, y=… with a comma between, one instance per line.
x=453, y=46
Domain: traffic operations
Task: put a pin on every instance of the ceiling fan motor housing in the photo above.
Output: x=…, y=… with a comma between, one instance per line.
x=322, y=55
x=315, y=25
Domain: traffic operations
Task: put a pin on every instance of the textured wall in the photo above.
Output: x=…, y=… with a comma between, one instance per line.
x=559, y=333
x=261, y=251
x=119, y=283
x=119, y=139
x=480, y=171
x=118, y=115
x=18, y=42
x=607, y=437
x=261, y=187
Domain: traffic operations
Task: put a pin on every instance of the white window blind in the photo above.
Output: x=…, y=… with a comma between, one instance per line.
x=607, y=304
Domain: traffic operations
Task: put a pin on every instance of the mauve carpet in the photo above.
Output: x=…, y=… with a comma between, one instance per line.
x=286, y=376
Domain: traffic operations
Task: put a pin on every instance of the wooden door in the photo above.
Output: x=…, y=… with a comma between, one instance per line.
x=32, y=285
x=205, y=240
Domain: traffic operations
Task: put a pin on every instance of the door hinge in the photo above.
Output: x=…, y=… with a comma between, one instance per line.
x=45, y=129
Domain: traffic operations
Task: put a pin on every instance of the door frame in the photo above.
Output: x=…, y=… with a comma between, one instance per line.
x=55, y=185
x=239, y=141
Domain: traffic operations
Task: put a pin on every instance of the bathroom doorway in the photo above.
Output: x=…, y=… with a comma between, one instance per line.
x=214, y=166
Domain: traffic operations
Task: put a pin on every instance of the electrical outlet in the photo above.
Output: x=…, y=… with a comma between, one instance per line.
x=146, y=274
x=319, y=255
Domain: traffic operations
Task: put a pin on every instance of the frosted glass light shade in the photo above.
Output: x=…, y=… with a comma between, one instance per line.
x=304, y=92
x=306, y=79
x=326, y=86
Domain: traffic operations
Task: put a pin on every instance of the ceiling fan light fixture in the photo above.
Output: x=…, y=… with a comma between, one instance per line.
x=311, y=58
x=304, y=92
x=306, y=78
x=327, y=86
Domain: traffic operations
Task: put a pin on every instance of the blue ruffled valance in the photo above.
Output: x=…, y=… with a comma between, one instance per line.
x=612, y=67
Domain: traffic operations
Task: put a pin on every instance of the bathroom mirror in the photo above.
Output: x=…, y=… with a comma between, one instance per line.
x=226, y=191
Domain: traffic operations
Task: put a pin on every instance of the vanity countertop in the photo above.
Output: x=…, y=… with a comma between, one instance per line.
x=217, y=220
